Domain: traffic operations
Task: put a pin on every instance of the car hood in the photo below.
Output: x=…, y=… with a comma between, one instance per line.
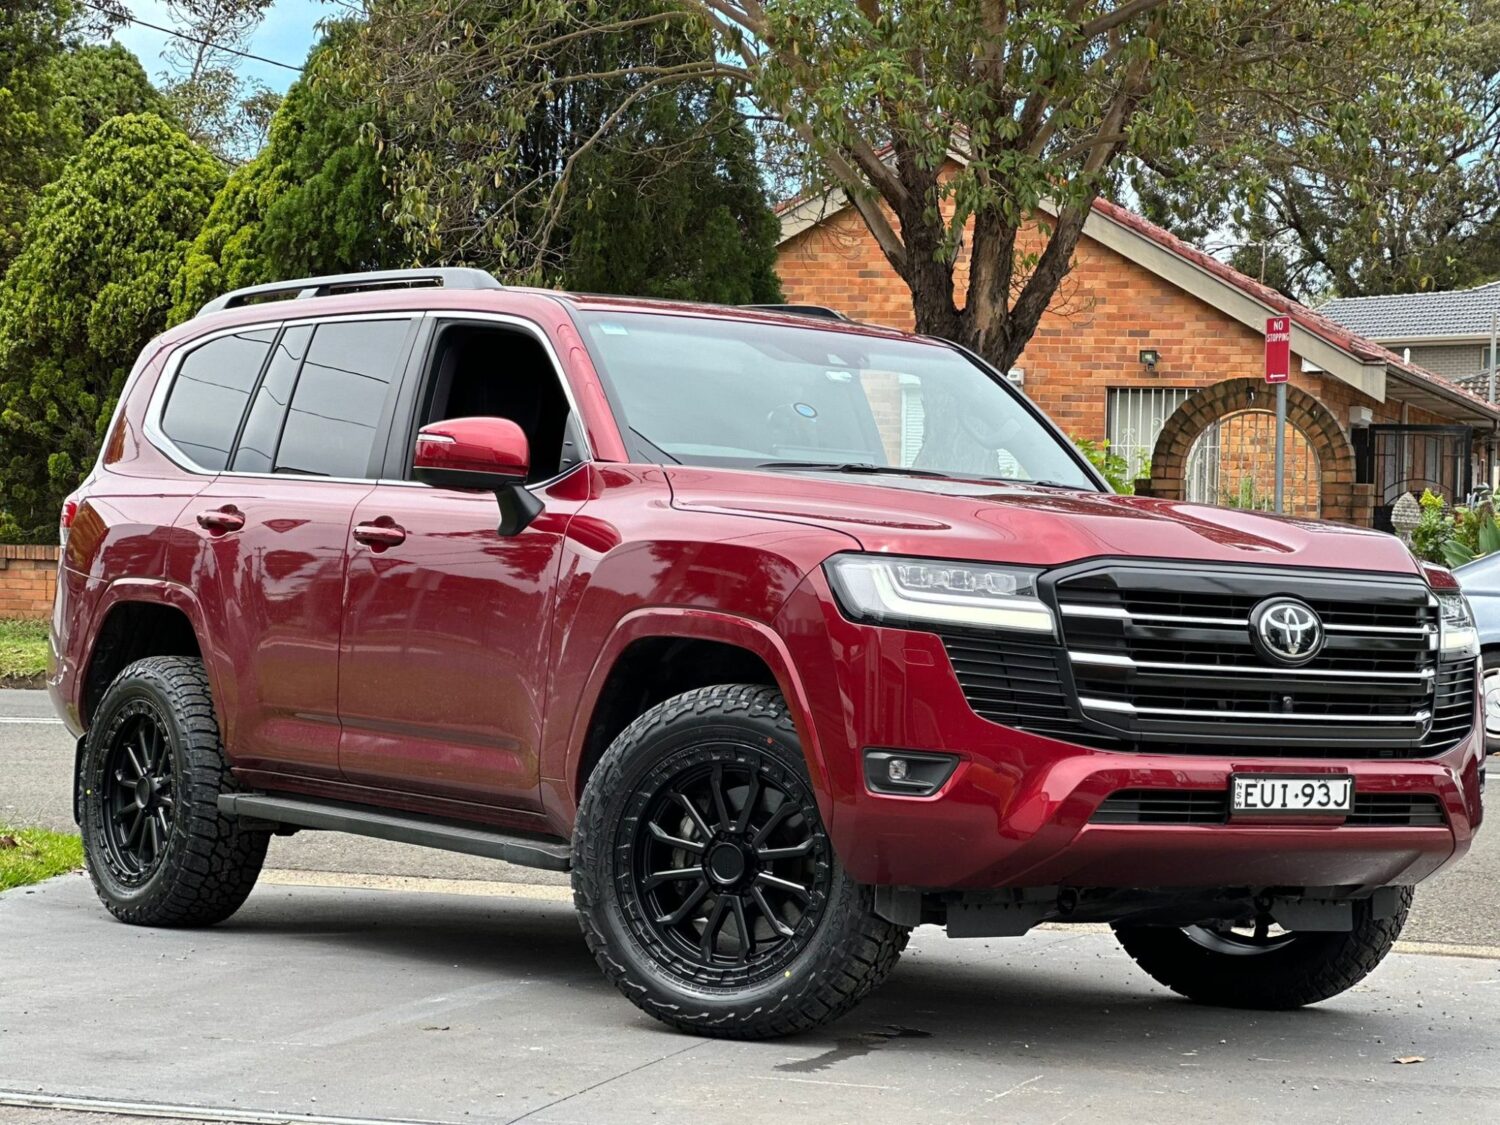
x=987, y=521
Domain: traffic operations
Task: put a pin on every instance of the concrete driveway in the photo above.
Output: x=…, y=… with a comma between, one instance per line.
x=339, y=1004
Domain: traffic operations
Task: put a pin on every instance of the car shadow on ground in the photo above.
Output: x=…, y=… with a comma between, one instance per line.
x=1049, y=991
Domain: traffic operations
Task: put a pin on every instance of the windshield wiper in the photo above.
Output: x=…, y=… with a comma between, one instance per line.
x=1042, y=483
x=855, y=467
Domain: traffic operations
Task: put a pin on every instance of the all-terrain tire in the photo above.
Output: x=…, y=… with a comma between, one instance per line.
x=206, y=863
x=1309, y=968
x=840, y=954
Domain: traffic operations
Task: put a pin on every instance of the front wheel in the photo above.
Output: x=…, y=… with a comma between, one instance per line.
x=705, y=882
x=1261, y=967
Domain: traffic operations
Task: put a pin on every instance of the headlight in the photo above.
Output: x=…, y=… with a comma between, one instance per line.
x=886, y=590
x=1456, y=633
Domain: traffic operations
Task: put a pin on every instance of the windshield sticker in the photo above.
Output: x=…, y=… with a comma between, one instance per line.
x=613, y=329
x=805, y=409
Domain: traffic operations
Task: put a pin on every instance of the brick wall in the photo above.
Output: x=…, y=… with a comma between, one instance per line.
x=28, y=578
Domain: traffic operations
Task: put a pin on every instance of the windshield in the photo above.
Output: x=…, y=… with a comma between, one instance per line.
x=704, y=391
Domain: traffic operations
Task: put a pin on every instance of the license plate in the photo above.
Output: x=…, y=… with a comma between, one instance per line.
x=1290, y=793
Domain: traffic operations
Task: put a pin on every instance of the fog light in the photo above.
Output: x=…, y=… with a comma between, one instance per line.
x=907, y=773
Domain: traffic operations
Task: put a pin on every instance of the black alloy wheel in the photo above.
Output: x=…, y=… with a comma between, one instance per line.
x=157, y=848
x=707, y=887
x=730, y=863
x=138, y=788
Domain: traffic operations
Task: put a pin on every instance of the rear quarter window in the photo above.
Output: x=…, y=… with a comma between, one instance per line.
x=209, y=393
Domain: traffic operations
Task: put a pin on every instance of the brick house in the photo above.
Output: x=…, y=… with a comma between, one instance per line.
x=1158, y=348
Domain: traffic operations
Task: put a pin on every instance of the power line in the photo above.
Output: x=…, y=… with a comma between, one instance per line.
x=128, y=18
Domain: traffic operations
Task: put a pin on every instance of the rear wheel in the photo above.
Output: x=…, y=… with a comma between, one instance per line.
x=705, y=882
x=1262, y=966
x=158, y=850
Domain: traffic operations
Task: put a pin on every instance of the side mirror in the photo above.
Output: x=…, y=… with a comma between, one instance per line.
x=480, y=454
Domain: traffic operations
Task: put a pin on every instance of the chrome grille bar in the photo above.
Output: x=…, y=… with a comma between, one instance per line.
x=1109, y=660
x=1121, y=707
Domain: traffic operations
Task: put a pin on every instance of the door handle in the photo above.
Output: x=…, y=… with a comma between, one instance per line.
x=381, y=534
x=220, y=520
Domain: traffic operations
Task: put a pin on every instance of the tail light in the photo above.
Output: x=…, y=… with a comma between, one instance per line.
x=65, y=520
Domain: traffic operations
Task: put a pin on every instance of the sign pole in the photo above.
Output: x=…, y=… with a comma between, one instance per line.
x=1280, y=444
x=1278, y=370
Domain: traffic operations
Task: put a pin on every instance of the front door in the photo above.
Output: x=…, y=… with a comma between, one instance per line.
x=445, y=641
x=447, y=623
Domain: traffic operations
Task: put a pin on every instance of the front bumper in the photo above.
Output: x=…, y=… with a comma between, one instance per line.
x=1017, y=810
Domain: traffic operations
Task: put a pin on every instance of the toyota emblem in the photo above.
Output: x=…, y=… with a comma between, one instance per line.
x=1286, y=630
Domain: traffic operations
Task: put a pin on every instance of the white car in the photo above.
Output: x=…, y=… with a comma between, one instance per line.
x=1480, y=580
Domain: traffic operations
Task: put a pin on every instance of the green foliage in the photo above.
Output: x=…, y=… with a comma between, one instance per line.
x=1111, y=465
x=89, y=288
x=31, y=147
x=95, y=83
x=1394, y=193
x=312, y=202
x=711, y=235
x=549, y=141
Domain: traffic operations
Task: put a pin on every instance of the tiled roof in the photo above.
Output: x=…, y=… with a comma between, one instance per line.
x=1419, y=316
x=1315, y=322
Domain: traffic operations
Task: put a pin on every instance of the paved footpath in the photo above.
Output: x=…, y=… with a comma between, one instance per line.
x=320, y=1003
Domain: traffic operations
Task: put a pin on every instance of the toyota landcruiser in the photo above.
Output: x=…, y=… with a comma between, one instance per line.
x=784, y=635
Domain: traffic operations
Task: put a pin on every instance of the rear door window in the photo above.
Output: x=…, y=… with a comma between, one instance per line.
x=340, y=398
x=208, y=396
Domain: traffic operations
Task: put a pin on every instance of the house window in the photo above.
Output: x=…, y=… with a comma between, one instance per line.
x=1134, y=421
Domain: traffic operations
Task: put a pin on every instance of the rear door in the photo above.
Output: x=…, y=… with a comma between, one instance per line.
x=274, y=527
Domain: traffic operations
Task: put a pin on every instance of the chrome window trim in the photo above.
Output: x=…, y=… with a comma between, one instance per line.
x=159, y=394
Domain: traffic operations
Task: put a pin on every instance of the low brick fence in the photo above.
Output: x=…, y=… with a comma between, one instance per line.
x=28, y=578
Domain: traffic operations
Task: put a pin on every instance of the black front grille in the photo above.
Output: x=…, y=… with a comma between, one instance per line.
x=1162, y=658
x=1015, y=684
x=1211, y=806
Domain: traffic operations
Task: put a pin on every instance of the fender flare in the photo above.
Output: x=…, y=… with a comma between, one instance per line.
x=704, y=625
x=150, y=591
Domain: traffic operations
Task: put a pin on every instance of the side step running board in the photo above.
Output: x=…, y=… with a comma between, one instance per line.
x=336, y=817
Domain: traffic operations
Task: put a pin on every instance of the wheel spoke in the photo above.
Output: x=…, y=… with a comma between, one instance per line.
x=711, y=928
x=677, y=875
x=161, y=818
x=771, y=825
x=747, y=939
x=136, y=834
x=689, y=904
x=135, y=762
x=752, y=796
x=697, y=817
x=759, y=896
x=1262, y=928
x=153, y=832
x=716, y=784
x=769, y=880
x=793, y=852
x=672, y=841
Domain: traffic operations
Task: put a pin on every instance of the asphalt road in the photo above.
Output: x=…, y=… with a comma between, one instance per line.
x=339, y=1004
x=1461, y=906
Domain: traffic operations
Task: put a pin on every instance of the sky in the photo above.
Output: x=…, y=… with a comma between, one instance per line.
x=287, y=33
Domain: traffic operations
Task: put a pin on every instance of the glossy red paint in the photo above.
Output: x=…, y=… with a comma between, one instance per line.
x=377, y=641
x=483, y=446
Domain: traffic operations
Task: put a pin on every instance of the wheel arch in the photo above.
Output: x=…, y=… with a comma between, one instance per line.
x=654, y=654
x=137, y=618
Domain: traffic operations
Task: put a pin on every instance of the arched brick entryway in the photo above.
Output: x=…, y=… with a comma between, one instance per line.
x=1342, y=499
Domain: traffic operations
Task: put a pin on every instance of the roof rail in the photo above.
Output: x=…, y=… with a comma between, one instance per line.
x=303, y=287
x=822, y=312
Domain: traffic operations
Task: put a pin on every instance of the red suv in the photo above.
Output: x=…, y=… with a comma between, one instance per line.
x=783, y=634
